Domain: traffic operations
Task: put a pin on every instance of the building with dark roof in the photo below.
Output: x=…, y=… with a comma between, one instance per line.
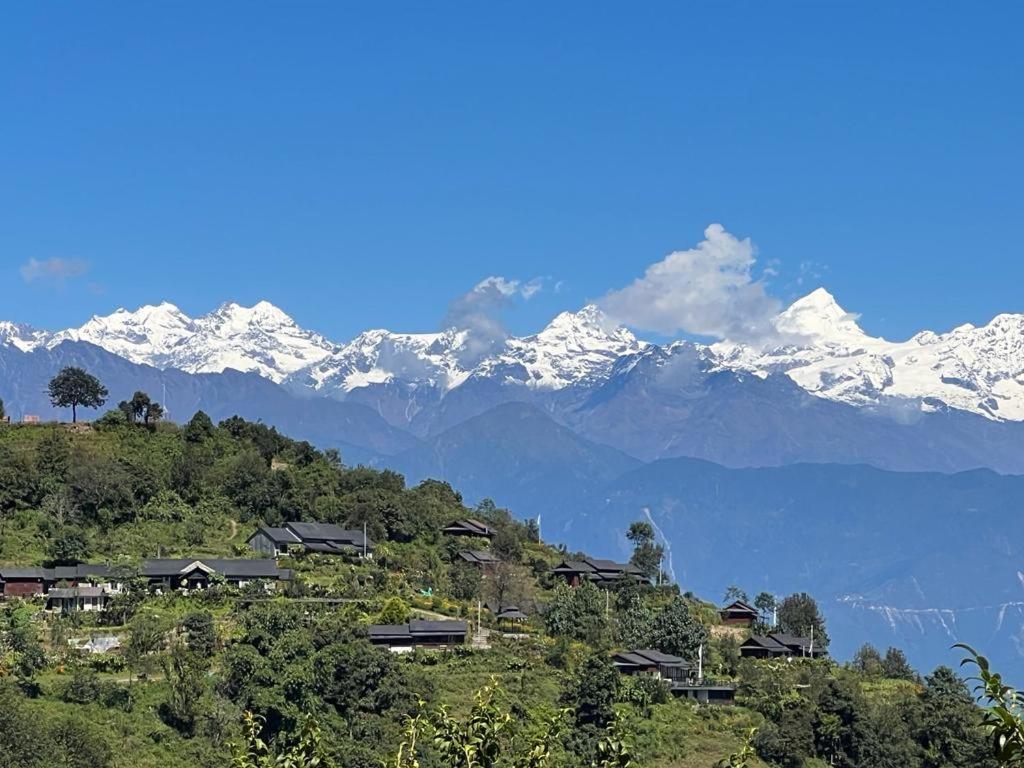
x=322, y=538
x=418, y=633
x=683, y=679
x=593, y=569
x=653, y=663
x=739, y=614
x=20, y=581
x=510, y=614
x=76, y=599
x=779, y=645
x=193, y=573
x=481, y=558
x=469, y=527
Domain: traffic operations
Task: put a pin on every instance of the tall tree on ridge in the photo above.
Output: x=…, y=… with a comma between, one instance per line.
x=74, y=387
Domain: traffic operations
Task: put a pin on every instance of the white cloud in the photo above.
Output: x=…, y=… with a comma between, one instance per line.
x=707, y=290
x=478, y=311
x=56, y=269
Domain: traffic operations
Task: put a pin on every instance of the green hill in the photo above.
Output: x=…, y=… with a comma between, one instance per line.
x=190, y=665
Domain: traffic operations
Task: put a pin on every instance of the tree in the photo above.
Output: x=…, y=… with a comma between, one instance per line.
x=466, y=581
x=799, y=615
x=69, y=546
x=592, y=691
x=896, y=666
x=141, y=408
x=394, y=611
x=765, y=603
x=254, y=752
x=504, y=585
x=676, y=631
x=74, y=387
x=154, y=413
x=200, y=633
x=868, y=661
x=145, y=636
x=954, y=733
x=636, y=618
x=507, y=545
x=198, y=429
x=647, y=554
x=576, y=613
x=734, y=593
x=3, y=414
x=186, y=678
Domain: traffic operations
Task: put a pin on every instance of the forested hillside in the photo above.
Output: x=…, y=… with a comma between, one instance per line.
x=198, y=675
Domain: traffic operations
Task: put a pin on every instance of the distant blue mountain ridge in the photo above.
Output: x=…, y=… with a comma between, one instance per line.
x=906, y=529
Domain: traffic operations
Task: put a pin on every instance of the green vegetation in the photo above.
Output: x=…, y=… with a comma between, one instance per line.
x=237, y=676
x=74, y=387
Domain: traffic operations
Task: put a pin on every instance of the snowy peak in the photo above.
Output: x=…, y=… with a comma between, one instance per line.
x=819, y=346
x=817, y=317
x=575, y=348
x=588, y=328
x=147, y=335
x=23, y=337
x=260, y=339
x=231, y=319
x=381, y=356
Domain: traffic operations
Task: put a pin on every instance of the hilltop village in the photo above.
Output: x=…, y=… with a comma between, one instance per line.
x=181, y=595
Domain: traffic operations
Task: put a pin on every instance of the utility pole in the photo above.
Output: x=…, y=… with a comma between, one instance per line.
x=364, y=539
x=812, y=641
x=700, y=664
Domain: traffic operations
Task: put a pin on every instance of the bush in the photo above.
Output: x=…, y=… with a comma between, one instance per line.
x=642, y=691
x=84, y=687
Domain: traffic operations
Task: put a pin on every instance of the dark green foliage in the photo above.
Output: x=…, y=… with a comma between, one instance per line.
x=466, y=581
x=868, y=661
x=636, y=617
x=578, y=612
x=199, y=428
x=31, y=739
x=84, y=687
x=642, y=691
x=799, y=615
x=185, y=672
x=896, y=666
x=951, y=727
x=507, y=545
x=200, y=633
x=647, y=553
x=141, y=408
x=591, y=692
x=675, y=630
x=74, y=387
x=68, y=546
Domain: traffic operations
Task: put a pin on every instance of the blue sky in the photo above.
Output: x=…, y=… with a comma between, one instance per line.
x=362, y=165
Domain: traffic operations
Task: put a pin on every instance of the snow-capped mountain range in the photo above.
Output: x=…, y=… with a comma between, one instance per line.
x=819, y=346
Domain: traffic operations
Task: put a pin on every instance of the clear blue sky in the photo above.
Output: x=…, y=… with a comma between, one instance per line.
x=361, y=165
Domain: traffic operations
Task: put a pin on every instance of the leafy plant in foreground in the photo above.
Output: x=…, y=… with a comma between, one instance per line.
x=1003, y=717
